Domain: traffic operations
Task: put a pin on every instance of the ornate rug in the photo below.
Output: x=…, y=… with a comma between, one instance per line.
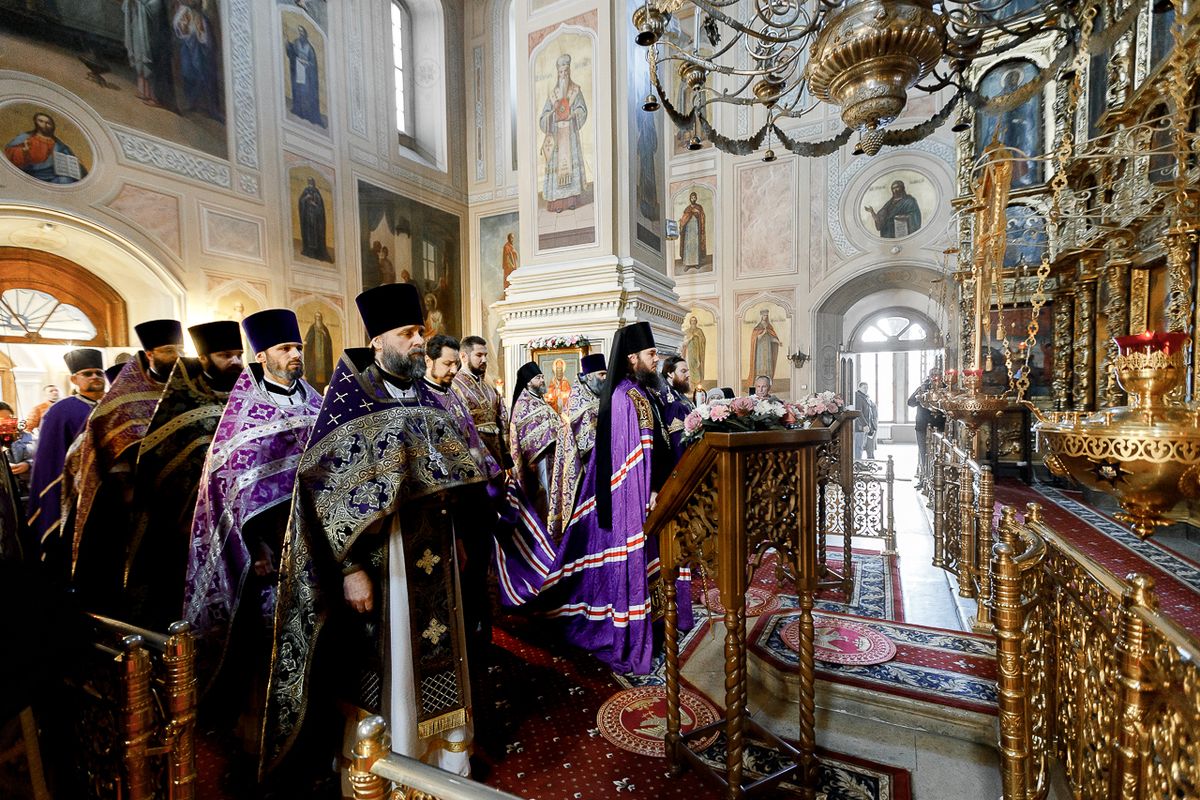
x=1176, y=579
x=949, y=668
x=636, y=719
x=543, y=732
x=876, y=593
x=840, y=641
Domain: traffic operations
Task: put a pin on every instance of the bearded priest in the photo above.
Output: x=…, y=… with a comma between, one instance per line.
x=575, y=442
x=606, y=571
x=170, y=461
x=370, y=558
x=534, y=435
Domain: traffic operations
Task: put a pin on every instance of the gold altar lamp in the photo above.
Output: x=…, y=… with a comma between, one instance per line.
x=1146, y=455
x=970, y=406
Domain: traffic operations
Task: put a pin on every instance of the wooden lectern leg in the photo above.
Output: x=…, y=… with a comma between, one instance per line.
x=735, y=693
x=672, y=650
x=808, y=717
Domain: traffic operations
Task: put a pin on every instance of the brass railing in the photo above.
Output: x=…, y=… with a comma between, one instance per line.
x=1091, y=675
x=963, y=493
x=136, y=712
x=872, y=504
x=376, y=773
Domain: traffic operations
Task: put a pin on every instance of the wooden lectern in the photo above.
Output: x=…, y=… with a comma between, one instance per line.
x=733, y=496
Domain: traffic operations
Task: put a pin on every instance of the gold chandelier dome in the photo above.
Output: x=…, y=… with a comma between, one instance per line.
x=870, y=54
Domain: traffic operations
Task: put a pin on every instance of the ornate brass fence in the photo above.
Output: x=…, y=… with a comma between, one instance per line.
x=871, y=504
x=1091, y=675
x=133, y=705
x=963, y=494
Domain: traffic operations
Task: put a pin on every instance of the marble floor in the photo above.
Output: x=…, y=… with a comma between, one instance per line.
x=950, y=753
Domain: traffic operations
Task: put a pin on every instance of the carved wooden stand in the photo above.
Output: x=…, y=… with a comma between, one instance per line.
x=733, y=496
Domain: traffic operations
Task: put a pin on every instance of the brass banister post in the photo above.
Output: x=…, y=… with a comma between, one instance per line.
x=179, y=657
x=939, y=523
x=983, y=536
x=669, y=576
x=966, y=530
x=1009, y=614
x=371, y=743
x=1136, y=686
x=137, y=717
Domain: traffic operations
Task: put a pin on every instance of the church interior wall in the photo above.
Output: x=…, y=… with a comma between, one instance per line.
x=208, y=192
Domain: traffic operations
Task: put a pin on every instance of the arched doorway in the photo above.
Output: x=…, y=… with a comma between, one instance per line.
x=892, y=350
x=47, y=299
x=67, y=282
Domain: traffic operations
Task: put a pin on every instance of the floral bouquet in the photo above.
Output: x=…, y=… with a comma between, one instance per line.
x=820, y=408
x=738, y=415
x=558, y=342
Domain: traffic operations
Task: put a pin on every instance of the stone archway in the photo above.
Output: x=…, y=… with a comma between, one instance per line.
x=829, y=319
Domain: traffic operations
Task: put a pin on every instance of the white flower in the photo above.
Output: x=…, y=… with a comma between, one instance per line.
x=704, y=410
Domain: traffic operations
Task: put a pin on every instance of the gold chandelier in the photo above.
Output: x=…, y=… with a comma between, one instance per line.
x=864, y=56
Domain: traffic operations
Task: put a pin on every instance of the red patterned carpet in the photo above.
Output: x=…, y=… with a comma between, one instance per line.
x=1176, y=579
x=942, y=667
x=876, y=592
x=554, y=743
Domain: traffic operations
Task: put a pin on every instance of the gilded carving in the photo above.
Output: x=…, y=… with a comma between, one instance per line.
x=1064, y=316
x=1083, y=356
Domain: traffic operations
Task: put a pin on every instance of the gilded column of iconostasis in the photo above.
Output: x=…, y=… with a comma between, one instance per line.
x=1110, y=127
x=207, y=159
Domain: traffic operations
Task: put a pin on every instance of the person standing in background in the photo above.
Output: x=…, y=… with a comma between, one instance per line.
x=867, y=423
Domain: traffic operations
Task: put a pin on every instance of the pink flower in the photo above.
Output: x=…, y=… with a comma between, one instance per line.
x=692, y=422
x=743, y=406
x=719, y=412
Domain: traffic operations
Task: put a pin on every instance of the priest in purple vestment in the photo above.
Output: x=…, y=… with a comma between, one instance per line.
x=575, y=442
x=241, y=514
x=99, y=475
x=533, y=432
x=370, y=561
x=677, y=388
x=170, y=462
x=601, y=581
x=60, y=425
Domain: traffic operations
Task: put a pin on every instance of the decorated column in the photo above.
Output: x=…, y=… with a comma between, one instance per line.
x=592, y=194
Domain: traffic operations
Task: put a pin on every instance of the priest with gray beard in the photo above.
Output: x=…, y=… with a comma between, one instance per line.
x=575, y=442
x=533, y=434
x=371, y=556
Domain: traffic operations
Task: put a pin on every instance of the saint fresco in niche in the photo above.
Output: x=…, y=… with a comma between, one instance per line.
x=694, y=210
x=154, y=66
x=321, y=327
x=1019, y=128
x=898, y=204
x=305, y=95
x=310, y=188
x=564, y=84
x=44, y=144
x=699, y=347
x=765, y=342
x=499, y=256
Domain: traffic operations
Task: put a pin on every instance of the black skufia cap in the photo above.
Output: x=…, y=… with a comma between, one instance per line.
x=390, y=306
x=84, y=358
x=525, y=374
x=637, y=337
x=159, y=332
x=213, y=337
x=592, y=363
x=270, y=327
